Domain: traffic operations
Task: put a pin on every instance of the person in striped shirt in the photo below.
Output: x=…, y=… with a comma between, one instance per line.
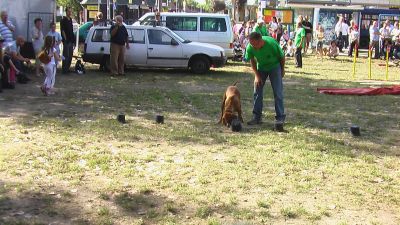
x=6, y=27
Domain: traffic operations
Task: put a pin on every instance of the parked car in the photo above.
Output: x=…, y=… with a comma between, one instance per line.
x=212, y=28
x=152, y=46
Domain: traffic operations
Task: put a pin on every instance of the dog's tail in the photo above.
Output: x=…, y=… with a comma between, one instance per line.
x=234, y=84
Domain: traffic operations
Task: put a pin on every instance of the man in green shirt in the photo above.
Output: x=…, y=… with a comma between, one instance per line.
x=299, y=42
x=267, y=61
x=261, y=28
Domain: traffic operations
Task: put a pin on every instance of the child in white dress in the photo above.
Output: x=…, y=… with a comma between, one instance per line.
x=49, y=68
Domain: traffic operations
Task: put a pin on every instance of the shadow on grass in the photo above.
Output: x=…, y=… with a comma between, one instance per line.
x=36, y=207
x=146, y=205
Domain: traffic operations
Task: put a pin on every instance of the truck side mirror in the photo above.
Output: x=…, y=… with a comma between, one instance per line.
x=174, y=42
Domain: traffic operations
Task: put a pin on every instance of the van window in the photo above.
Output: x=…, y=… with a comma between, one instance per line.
x=212, y=24
x=101, y=35
x=182, y=23
x=137, y=36
x=158, y=37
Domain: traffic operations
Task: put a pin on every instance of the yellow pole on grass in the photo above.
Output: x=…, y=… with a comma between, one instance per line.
x=369, y=63
x=354, y=63
x=387, y=63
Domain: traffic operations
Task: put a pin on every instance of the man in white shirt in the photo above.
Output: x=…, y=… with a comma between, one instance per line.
x=37, y=41
x=6, y=28
x=345, y=34
x=339, y=33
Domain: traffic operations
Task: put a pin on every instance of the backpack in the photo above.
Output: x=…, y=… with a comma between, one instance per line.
x=79, y=67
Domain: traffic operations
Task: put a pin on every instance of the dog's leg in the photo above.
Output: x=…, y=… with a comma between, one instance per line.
x=239, y=110
x=222, y=108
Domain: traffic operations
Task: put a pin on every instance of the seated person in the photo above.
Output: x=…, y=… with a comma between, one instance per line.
x=291, y=48
x=13, y=50
x=7, y=69
x=333, y=50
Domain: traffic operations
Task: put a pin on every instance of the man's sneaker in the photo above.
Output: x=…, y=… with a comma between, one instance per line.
x=279, y=125
x=254, y=121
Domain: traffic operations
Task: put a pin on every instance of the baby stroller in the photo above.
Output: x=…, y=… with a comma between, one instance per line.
x=237, y=52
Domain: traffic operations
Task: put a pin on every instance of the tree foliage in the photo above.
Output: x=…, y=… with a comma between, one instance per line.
x=207, y=6
x=74, y=4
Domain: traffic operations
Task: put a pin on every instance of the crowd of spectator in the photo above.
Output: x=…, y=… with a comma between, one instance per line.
x=383, y=39
x=14, y=66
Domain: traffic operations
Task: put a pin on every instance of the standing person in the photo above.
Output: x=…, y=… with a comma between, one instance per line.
x=57, y=39
x=273, y=28
x=99, y=19
x=280, y=30
x=68, y=39
x=37, y=41
x=339, y=33
x=6, y=28
x=354, y=35
x=374, y=39
x=345, y=34
x=260, y=27
x=119, y=40
x=308, y=28
x=385, y=37
x=267, y=61
x=50, y=67
x=299, y=42
x=320, y=43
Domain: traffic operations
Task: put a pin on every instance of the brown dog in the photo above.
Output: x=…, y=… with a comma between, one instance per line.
x=230, y=106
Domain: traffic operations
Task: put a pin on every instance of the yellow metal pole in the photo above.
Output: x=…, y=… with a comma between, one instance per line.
x=387, y=63
x=354, y=62
x=369, y=63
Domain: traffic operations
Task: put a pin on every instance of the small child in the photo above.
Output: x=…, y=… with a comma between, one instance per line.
x=333, y=50
x=320, y=43
x=237, y=50
x=49, y=68
x=291, y=48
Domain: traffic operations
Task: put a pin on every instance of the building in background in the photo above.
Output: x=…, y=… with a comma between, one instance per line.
x=130, y=10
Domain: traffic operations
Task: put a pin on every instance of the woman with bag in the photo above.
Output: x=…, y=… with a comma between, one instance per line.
x=49, y=65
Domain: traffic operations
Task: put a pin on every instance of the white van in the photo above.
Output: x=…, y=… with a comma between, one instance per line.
x=209, y=28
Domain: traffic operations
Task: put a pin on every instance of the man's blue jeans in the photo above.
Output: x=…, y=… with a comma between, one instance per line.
x=275, y=77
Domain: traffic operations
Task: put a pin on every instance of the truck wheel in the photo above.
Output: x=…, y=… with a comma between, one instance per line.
x=199, y=65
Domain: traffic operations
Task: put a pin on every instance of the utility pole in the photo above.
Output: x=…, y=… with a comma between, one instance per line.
x=108, y=9
x=159, y=6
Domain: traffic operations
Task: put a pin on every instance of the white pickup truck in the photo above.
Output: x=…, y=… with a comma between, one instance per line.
x=153, y=46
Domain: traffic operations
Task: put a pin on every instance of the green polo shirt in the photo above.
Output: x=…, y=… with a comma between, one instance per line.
x=268, y=56
x=300, y=32
x=261, y=30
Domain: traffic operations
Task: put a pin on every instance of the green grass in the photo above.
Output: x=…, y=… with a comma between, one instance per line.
x=66, y=158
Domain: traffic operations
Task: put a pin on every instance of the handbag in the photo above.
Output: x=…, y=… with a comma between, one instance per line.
x=44, y=57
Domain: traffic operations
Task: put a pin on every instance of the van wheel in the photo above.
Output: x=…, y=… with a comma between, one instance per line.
x=106, y=64
x=199, y=64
